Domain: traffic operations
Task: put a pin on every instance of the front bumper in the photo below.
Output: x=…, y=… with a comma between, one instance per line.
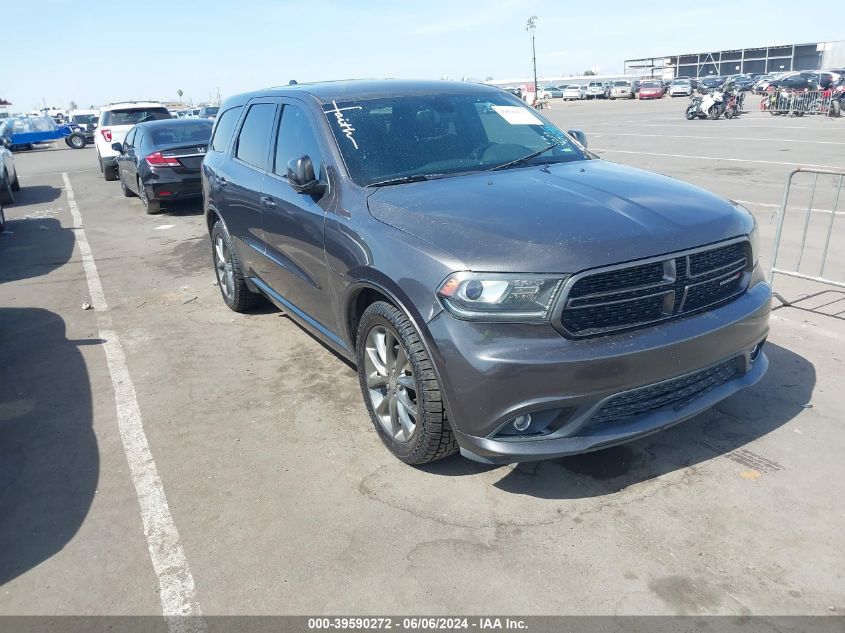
x=492, y=372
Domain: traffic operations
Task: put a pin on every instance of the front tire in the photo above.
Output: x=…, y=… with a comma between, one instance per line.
x=227, y=268
x=400, y=388
x=127, y=192
x=76, y=140
x=2, y=219
x=16, y=183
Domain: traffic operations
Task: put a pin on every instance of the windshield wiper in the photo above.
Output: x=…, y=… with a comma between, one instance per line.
x=403, y=179
x=524, y=158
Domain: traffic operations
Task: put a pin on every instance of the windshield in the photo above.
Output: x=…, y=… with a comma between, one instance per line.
x=680, y=82
x=650, y=84
x=621, y=83
x=198, y=131
x=84, y=119
x=442, y=134
x=211, y=110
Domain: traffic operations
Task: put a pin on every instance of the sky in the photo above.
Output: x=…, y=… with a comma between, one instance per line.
x=149, y=49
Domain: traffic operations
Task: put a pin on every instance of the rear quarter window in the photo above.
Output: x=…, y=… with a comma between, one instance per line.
x=223, y=130
x=254, y=139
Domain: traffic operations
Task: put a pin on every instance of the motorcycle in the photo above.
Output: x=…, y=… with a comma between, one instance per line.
x=714, y=104
x=706, y=106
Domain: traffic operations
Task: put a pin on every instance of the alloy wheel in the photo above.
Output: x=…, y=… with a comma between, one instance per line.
x=391, y=384
x=223, y=268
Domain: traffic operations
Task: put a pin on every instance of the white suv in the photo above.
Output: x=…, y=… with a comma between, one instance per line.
x=116, y=119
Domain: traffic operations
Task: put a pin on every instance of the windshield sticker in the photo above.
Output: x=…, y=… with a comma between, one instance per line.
x=345, y=126
x=516, y=115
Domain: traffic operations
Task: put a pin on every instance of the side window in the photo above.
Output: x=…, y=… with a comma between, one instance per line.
x=296, y=139
x=225, y=126
x=129, y=141
x=254, y=139
x=139, y=138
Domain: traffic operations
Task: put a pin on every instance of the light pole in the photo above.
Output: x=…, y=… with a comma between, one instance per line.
x=530, y=26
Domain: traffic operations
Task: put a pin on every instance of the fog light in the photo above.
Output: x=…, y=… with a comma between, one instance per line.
x=522, y=422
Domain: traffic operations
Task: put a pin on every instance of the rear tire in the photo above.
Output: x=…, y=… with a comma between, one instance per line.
x=227, y=268
x=400, y=388
x=109, y=173
x=835, y=109
x=2, y=219
x=16, y=184
x=152, y=207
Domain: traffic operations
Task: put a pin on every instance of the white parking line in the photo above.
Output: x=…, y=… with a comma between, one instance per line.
x=718, y=138
x=176, y=583
x=719, y=158
x=769, y=205
x=733, y=126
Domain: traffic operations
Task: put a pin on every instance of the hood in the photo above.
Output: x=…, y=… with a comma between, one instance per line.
x=558, y=218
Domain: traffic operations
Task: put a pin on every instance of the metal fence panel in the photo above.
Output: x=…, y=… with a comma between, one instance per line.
x=822, y=276
x=798, y=103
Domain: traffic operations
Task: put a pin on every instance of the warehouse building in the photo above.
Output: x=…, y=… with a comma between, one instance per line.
x=765, y=59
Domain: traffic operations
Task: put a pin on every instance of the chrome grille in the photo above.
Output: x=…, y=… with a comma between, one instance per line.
x=675, y=393
x=638, y=294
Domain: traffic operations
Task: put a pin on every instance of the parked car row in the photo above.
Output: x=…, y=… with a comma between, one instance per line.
x=153, y=155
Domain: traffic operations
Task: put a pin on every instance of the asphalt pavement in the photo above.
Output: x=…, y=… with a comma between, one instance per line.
x=162, y=452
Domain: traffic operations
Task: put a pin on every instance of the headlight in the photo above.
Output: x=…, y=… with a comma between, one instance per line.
x=499, y=296
x=754, y=238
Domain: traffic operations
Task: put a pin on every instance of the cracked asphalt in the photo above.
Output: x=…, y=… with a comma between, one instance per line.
x=285, y=500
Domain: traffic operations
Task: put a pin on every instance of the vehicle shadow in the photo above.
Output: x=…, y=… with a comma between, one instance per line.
x=775, y=400
x=182, y=207
x=49, y=461
x=833, y=304
x=31, y=247
x=36, y=194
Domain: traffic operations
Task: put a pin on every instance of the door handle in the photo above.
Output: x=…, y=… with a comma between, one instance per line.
x=268, y=202
x=222, y=182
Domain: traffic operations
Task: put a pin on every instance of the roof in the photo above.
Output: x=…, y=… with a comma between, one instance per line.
x=122, y=105
x=173, y=123
x=363, y=89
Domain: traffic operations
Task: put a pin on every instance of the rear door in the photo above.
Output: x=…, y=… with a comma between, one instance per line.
x=239, y=179
x=293, y=222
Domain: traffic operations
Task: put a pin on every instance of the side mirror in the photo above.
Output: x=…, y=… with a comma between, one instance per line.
x=579, y=136
x=118, y=147
x=302, y=178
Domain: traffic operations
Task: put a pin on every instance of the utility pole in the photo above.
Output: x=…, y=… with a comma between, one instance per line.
x=530, y=26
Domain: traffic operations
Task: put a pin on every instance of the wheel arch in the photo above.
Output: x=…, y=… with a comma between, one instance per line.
x=366, y=291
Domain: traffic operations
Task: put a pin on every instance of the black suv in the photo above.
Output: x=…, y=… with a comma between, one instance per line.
x=500, y=289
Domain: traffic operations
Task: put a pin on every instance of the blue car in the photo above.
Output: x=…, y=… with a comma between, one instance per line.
x=24, y=131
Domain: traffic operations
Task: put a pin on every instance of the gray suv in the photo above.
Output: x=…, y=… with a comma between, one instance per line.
x=501, y=290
